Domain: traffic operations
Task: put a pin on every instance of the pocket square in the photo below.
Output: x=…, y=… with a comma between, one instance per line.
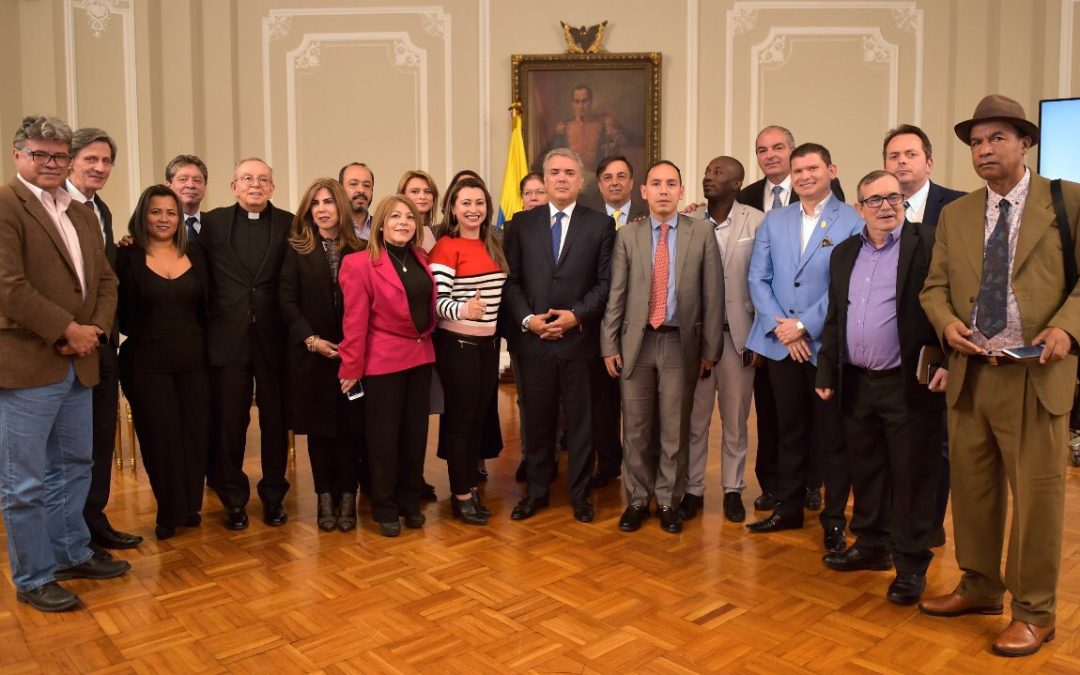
x=826, y=242
x=745, y=239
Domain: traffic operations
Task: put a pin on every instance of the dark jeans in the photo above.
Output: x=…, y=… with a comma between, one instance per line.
x=335, y=461
x=396, y=431
x=469, y=369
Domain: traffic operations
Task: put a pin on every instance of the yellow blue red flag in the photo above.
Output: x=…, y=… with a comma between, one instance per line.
x=517, y=166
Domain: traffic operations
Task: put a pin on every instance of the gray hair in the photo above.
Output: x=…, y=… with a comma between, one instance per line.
x=87, y=135
x=783, y=130
x=871, y=177
x=252, y=159
x=564, y=152
x=185, y=160
x=42, y=128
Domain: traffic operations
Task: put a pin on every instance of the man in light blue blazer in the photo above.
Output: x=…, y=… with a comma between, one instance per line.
x=789, y=285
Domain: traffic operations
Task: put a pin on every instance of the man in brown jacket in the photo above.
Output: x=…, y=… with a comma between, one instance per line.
x=57, y=302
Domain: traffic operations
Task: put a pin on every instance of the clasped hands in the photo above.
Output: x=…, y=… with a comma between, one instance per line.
x=81, y=340
x=552, y=324
x=794, y=338
x=1056, y=342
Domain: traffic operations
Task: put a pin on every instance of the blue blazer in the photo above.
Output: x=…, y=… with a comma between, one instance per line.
x=787, y=283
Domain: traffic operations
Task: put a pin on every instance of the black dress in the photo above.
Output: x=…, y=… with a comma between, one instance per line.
x=163, y=371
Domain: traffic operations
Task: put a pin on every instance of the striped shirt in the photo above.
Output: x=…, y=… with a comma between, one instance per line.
x=462, y=267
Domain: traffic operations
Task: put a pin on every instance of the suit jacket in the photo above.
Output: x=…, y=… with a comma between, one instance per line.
x=739, y=308
x=754, y=194
x=236, y=295
x=913, y=328
x=579, y=281
x=699, y=293
x=379, y=334
x=786, y=283
x=936, y=199
x=40, y=292
x=1038, y=281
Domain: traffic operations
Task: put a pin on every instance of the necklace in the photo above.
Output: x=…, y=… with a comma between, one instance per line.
x=400, y=261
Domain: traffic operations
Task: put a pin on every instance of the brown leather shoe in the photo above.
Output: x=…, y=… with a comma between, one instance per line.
x=1022, y=639
x=954, y=604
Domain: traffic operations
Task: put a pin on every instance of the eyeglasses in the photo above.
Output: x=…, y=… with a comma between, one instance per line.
x=248, y=181
x=60, y=159
x=874, y=201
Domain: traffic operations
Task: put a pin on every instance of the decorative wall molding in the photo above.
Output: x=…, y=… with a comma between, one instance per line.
x=97, y=15
x=309, y=60
x=693, y=25
x=279, y=26
x=486, y=111
x=743, y=20
x=1065, y=58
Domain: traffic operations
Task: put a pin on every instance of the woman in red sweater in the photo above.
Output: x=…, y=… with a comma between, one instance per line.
x=389, y=316
x=469, y=270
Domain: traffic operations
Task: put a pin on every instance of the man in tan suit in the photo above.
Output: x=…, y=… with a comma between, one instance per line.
x=997, y=281
x=732, y=380
x=663, y=328
x=57, y=302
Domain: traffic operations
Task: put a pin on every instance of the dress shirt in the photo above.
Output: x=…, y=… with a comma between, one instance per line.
x=723, y=231
x=624, y=213
x=916, y=204
x=670, y=317
x=810, y=221
x=873, y=340
x=56, y=205
x=569, y=211
x=1013, y=335
x=78, y=196
x=785, y=192
x=365, y=231
x=198, y=221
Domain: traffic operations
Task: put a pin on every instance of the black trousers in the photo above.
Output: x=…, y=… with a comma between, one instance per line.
x=607, y=421
x=396, y=428
x=106, y=400
x=469, y=369
x=545, y=379
x=895, y=458
x=808, y=427
x=335, y=461
x=766, y=466
x=234, y=385
x=171, y=412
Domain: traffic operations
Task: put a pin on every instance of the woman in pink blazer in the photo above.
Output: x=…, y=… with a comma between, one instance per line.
x=389, y=315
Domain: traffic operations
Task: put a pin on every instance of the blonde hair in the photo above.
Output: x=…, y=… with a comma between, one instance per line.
x=303, y=235
x=377, y=239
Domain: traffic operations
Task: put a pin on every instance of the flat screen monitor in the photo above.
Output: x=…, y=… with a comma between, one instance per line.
x=1059, y=143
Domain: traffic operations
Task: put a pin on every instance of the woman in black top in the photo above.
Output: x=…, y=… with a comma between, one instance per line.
x=311, y=304
x=163, y=368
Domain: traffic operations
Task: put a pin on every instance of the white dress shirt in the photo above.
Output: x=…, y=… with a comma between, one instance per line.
x=916, y=204
x=810, y=221
x=785, y=192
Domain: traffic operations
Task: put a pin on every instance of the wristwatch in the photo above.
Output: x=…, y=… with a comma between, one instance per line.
x=800, y=326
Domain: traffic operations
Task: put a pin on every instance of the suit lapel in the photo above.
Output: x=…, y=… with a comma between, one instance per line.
x=35, y=208
x=683, y=233
x=570, y=233
x=1038, y=217
x=821, y=229
x=738, y=229
x=972, y=237
x=277, y=232
x=909, y=240
x=643, y=235
x=845, y=266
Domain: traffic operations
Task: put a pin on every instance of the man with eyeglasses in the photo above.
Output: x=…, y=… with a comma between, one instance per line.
x=246, y=244
x=186, y=175
x=870, y=348
x=93, y=154
x=57, y=304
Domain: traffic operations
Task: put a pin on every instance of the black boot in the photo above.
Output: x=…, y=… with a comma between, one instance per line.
x=465, y=511
x=483, y=510
x=327, y=517
x=347, y=517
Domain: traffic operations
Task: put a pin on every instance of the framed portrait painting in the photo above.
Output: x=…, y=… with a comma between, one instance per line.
x=597, y=104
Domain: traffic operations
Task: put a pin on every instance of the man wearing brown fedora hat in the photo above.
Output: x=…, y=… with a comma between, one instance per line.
x=997, y=281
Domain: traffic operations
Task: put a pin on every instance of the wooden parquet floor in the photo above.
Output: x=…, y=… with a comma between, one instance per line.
x=549, y=595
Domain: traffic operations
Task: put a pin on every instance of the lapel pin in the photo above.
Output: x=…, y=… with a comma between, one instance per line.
x=824, y=224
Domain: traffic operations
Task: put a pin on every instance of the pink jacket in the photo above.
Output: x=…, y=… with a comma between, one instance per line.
x=380, y=336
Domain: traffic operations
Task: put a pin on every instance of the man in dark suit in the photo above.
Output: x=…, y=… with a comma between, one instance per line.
x=874, y=333
x=773, y=148
x=559, y=259
x=908, y=156
x=186, y=175
x=93, y=153
x=246, y=244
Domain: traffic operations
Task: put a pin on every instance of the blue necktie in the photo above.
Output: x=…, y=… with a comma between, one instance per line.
x=994, y=288
x=191, y=233
x=556, y=236
x=776, y=197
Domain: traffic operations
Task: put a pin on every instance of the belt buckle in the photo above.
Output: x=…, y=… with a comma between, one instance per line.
x=992, y=360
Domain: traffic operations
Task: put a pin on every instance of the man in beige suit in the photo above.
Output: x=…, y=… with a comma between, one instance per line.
x=663, y=328
x=732, y=380
x=997, y=281
x=57, y=302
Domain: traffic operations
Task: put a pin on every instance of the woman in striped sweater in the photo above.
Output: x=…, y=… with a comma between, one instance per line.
x=469, y=270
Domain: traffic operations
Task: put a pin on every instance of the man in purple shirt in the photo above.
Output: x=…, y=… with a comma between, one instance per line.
x=873, y=335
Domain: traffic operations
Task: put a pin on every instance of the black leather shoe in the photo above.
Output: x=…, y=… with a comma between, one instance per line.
x=766, y=502
x=813, y=499
x=774, y=523
x=733, y=507
x=164, y=531
x=689, y=505
x=633, y=517
x=193, y=520
x=528, y=507
x=835, y=540
x=519, y=475
x=274, y=514
x=414, y=521
x=584, y=511
x=906, y=589
x=855, y=558
x=600, y=480
x=465, y=510
x=390, y=529
x=50, y=597
x=480, y=507
x=94, y=568
x=670, y=520
x=427, y=493
x=107, y=537
x=236, y=518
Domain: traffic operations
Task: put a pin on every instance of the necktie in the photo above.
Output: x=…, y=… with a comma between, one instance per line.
x=89, y=204
x=995, y=277
x=192, y=234
x=908, y=213
x=658, y=294
x=776, y=197
x=616, y=214
x=556, y=236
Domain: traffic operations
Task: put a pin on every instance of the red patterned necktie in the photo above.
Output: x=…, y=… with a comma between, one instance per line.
x=658, y=296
